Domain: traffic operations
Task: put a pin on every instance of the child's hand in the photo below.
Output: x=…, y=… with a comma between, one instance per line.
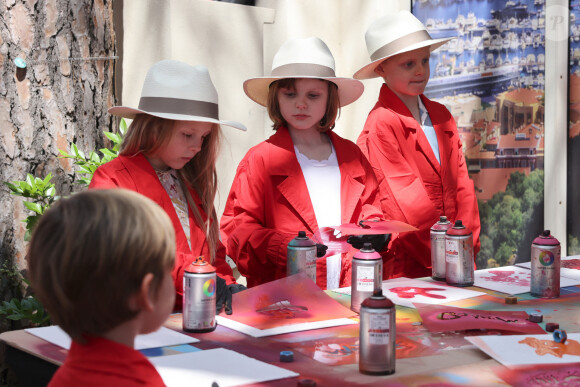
x=224, y=295
x=379, y=241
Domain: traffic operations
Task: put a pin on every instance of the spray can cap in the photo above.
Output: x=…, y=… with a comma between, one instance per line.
x=200, y=265
x=378, y=300
x=459, y=229
x=367, y=252
x=546, y=239
x=301, y=240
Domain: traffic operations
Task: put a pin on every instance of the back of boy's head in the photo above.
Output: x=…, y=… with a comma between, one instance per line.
x=89, y=254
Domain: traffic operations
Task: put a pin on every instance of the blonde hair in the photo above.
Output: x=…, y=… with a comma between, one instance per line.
x=147, y=134
x=89, y=254
x=332, y=104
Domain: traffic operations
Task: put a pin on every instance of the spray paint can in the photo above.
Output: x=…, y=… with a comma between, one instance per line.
x=367, y=275
x=545, y=263
x=199, y=297
x=438, y=231
x=301, y=256
x=459, y=268
x=377, y=335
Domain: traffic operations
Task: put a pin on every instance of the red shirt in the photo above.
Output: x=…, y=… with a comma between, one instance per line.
x=101, y=362
x=415, y=188
x=269, y=203
x=135, y=173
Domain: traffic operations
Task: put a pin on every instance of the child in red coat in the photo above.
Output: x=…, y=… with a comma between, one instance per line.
x=412, y=143
x=305, y=176
x=169, y=155
x=100, y=262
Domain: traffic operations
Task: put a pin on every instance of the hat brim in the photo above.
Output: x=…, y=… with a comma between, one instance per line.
x=127, y=112
x=368, y=71
x=349, y=90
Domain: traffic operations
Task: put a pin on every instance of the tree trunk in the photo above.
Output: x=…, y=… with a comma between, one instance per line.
x=63, y=98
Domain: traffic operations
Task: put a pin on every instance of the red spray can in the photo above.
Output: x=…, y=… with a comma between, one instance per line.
x=367, y=275
x=545, y=264
x=459, y=267
x=199, y=297
x=438, y=231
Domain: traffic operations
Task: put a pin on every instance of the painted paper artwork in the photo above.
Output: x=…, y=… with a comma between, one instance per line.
x=439, y=318
x=570, y=267
x=375, y=227
x=511, y=279
x=567, y=375
x=406, y=292
x=287, y=301
x=345, y=350
x=529, y=349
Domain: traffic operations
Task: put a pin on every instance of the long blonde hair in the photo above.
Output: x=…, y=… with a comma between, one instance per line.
x=147, y=134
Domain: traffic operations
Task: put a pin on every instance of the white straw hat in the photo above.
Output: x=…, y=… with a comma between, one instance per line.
x=177, y=91
x=394, y=34
x=303, y=58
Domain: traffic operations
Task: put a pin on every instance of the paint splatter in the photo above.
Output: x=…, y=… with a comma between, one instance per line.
x=550, y=347
x=412, y=291
x=571, y=264
x=507, y=276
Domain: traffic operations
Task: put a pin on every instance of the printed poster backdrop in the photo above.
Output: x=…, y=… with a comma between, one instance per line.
x=573, y=213
x=491, y=78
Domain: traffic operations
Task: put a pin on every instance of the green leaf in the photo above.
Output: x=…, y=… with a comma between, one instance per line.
x=33, y=207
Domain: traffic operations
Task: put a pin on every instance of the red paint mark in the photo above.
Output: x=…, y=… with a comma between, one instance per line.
x=571, y=264
x=505, y=276
x=550, y=347
x=412, y=291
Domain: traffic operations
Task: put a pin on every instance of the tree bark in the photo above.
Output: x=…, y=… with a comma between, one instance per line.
x=62, y=99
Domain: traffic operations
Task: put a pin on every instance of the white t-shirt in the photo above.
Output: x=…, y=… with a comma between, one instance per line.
x=323, y=182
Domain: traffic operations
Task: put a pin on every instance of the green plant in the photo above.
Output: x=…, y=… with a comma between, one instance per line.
x=42, y=195
x=88, y=165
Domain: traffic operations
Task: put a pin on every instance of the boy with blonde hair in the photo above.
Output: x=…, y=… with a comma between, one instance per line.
x=100, y=262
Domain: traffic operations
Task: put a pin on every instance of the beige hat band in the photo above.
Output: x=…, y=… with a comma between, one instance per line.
x=179, y=106
x=298, y=70
x=400, y=44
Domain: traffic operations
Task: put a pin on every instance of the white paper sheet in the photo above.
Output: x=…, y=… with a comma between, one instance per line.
x=511, y=351
x=255, y=332
x=405, y=291
x=164, y=337
x=220, y=365
x=511, y=279
x=564, y=272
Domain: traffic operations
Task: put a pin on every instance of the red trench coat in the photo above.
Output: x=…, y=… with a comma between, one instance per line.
x=135, y=173
x=269, y=203
x=415, y=188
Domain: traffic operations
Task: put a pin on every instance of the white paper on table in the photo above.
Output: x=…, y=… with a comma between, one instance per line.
x=347, y=290
x=220, y=365
x=511, y=279
x=510, y=352
x=426, y=292
x=163, y=337
x=564, y=271
x=255, y=332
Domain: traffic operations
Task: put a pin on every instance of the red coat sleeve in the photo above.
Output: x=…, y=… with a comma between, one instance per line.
x=258, y=251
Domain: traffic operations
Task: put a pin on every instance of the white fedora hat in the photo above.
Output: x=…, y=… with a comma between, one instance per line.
x=303, y=58
x=177, y=91
x=394, y=34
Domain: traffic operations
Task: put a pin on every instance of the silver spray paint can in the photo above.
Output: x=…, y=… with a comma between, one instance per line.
x=301, y=256
x=545, y=263
x=377, y=335
x=199, y=297
x=438, y=231
x=367, y=275
x=459, y=267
